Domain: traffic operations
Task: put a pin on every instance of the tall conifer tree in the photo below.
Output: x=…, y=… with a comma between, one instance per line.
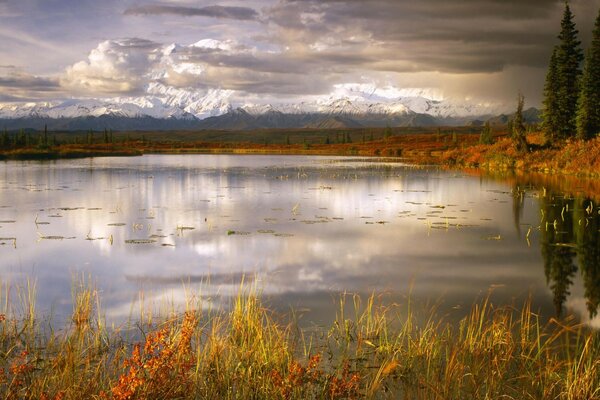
x=561, y=92
x=518, y=127
x=569, y=58
x=550, y=112
x=588, y=113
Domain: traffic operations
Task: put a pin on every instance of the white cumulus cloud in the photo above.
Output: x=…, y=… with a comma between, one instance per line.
x=115, y=66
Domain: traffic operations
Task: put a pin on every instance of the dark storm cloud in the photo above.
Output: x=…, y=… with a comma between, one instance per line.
x=17, y=85
x=29, y=82
x=14, y=79
x=271, y=62
x=436, y=35
x=239, y=13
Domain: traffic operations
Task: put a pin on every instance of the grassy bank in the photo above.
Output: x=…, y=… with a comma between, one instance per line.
x=569, y=157
x=456, y=148
x=248, y=352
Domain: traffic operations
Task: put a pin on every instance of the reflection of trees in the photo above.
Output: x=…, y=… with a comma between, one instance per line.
x=570, y=232
x=518, y=196
x=557, y=235
x=587, y=228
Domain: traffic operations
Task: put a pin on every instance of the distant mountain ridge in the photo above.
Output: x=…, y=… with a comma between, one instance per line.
x=167, y=108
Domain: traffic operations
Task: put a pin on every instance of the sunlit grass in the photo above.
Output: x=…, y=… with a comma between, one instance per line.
x=371, y=351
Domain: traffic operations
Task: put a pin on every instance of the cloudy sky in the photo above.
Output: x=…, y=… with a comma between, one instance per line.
x=280, y=50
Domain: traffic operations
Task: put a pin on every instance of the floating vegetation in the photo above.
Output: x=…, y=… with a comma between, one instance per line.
x=296, y=209
x=167, y=245
x=54, y=237
x=493, y=237
x=270, y=219
x=94, y=209
x=4, y=241
x=238, y=233
x=117, y=224
x=569, y=245
x=269, y=231
x=185, y=228
x=8, y=222
x=140, y=241
x=155, y=236
x=70, y=208
x=283, y=234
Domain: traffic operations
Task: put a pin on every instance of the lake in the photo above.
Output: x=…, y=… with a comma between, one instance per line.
x=300, y=229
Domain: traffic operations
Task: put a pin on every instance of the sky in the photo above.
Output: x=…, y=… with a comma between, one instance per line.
x=281, y=50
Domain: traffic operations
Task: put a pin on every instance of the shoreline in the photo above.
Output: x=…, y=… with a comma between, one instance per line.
x=573, y=158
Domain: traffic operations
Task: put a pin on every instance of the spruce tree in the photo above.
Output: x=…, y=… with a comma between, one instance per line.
x=550, y=112
x=569, y=57
x=588, y=113
x=5, y=139
x=518, y=127
x=486, y=134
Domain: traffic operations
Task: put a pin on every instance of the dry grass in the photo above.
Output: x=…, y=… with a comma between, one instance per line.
x=572, y=157
x=378, y=352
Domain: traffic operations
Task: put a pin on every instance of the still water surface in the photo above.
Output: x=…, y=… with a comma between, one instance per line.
x=302, y=228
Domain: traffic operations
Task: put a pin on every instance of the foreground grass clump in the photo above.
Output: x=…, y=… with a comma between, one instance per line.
x=379, y=352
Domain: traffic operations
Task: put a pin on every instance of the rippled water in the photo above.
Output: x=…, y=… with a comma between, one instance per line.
x=303, y=229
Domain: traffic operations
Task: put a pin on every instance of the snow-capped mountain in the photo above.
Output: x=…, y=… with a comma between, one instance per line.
x=353, y=105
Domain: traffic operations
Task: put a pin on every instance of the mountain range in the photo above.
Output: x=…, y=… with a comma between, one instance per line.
x=164, y=108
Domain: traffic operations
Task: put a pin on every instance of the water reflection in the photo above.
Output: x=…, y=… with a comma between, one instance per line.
x=304, y=228
x=570, y=242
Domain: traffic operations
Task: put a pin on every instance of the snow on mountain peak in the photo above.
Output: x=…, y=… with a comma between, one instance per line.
x=163, y=101
x=214, y=44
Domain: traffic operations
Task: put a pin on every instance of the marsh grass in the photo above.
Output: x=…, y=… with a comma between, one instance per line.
x=370, y=351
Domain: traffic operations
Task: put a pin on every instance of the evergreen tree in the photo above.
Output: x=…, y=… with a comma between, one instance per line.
x=388, y=132
x=105, y=136
x=486, y=134
x=518, y=127
x=5, y=139
x=550, y=112
x=569, y=58
x=588, y=113
x=45, y=140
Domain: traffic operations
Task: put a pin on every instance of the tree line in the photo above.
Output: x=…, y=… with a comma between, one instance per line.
x=572, y=94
